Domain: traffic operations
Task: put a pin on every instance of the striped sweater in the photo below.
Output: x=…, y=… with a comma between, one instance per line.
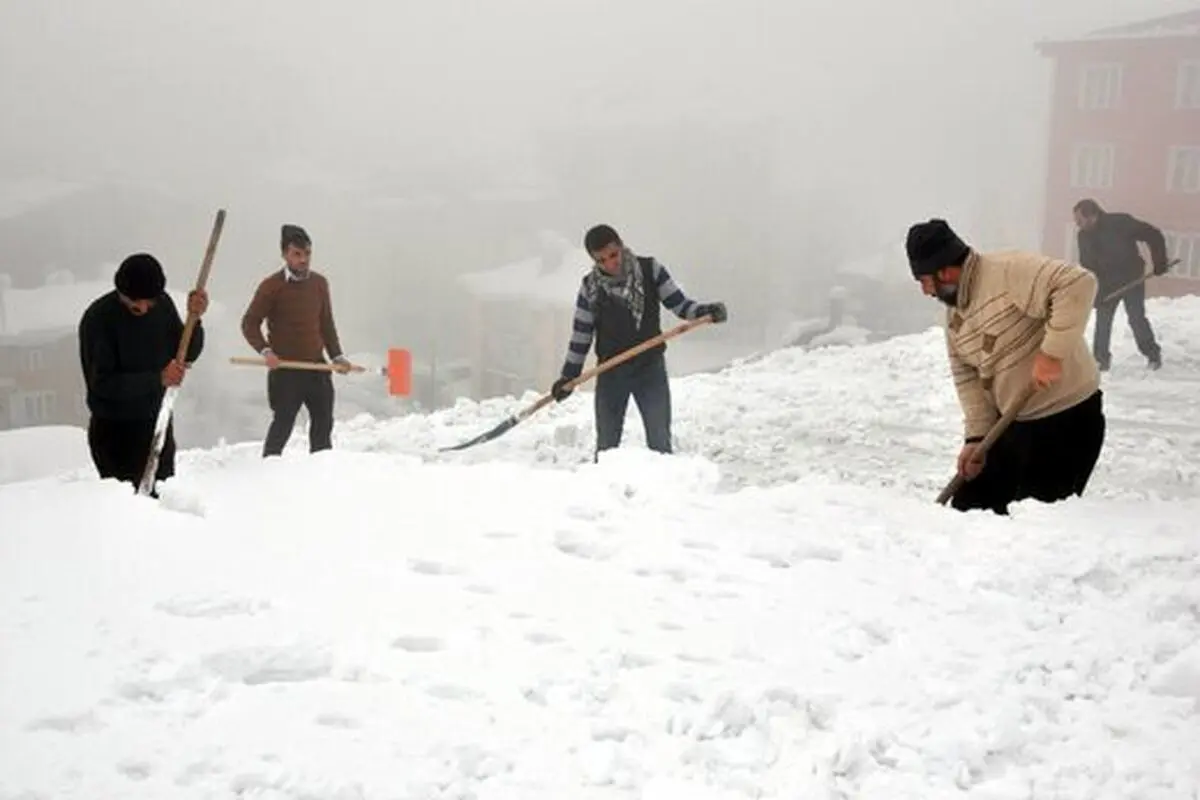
x=584, y=324
x=1011, y=305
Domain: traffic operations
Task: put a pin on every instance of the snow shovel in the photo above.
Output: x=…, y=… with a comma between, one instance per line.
x=398, y=370
x=587, y=375
x=1136, y=282
x=996, y=431
x=146, y=486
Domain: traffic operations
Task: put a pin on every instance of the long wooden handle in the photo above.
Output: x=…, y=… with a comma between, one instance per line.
x=624, y=356
x=1108, y=298
x=315, y=366
x=619, y=358
x=995, y=433
x=201, y=281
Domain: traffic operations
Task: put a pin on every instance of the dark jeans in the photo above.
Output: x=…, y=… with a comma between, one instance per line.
x=1135, y=311
x=120, y=448
x=648, y=384
x=287, y=391
x=1046, y=459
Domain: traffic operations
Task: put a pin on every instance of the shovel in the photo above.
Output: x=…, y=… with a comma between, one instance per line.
x=1137, y=282
x=512, y=421
x=995, y=433
x=398, y=370
x=145, y=486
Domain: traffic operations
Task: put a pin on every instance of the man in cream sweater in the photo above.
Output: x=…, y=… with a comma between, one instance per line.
x=1015, y=318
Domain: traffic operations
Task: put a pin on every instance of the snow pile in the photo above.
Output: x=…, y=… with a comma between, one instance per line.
x=364, y=625
x=778, y=611
x=883, y=414
x=28, y=454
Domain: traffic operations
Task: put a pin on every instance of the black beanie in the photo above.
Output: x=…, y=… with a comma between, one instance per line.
x=933, y=245
x=293, y=235
x=140, y=277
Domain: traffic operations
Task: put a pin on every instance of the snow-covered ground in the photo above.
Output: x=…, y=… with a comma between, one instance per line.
x=779, y=611
x=41, y=452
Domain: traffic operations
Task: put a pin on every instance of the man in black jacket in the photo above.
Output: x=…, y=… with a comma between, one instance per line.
x=617, y=307
x=1108, y=246
x=128, y=340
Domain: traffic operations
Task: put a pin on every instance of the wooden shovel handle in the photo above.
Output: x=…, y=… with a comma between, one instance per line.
x=625, y=355
x=981, y=449
x=201, y=282
x=315, y=366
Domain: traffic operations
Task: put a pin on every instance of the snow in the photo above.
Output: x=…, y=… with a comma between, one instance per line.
x=780, y=610
x=41, y=452
x=552, y=277
x=58, y=306
x=1186, y=23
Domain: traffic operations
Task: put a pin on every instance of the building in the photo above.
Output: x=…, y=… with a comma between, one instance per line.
x=40, y=378
x=1125, y=130
x=521, y=319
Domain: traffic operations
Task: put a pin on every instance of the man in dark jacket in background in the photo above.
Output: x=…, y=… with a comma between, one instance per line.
x=128, y=341
x=617, y=306
x=1108, y=246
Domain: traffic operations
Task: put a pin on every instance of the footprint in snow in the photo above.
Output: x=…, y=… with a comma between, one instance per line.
x=539, y=638
x=255, y=666
x=197, y=771
x=696, y=544
x=574, y=544
x=85, y=722
x=777, y=560
x=676, y=574
x=451, y=691
x=418, y=644
x=341, y=721
x=208, y=607
x=636, y=661
x=426, y=567
x=695, y=658
x=135, y=770
x=500, y=535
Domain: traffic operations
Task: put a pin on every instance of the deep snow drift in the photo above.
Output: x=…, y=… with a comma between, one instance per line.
x=380, y=622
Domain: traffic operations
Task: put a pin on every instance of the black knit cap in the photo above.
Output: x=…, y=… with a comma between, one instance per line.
x=932, y=245
x=140, y=277
x=293, y=235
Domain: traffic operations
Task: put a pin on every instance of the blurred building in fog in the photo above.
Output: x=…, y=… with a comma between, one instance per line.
x=1125, y=130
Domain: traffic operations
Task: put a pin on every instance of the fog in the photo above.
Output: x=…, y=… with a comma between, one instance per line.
x=752, y=145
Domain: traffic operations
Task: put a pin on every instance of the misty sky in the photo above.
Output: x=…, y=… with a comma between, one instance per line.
x=206, y=91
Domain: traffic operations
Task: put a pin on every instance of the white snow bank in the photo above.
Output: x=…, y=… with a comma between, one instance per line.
x=883, y=415
x=362, y=625
x=32, y=453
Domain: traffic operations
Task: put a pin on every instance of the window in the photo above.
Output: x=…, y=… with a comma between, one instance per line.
x=1185, y=247
x=1100, y=86
x=35, y=361
x=31, y=408
x=1183, y=170
x=1092, y=166
x=1187, y=85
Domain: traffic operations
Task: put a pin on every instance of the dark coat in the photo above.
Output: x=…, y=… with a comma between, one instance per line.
x=123, y=355
x=1110, y=250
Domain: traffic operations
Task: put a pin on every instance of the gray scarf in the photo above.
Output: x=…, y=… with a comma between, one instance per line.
x=626, y=287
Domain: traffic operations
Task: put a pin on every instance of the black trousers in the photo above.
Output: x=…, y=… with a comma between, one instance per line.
x=287, y=391
x=1046, y=459
x=1135, y=310
x=647, y=382
x=121, y=447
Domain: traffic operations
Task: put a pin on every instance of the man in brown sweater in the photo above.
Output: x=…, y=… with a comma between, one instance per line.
x=295, y=303
x=1014, y=318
